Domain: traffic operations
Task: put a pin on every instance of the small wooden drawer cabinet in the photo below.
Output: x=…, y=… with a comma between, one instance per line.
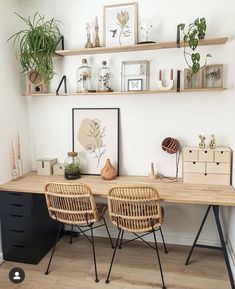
x=207, y=166
x=28, y=232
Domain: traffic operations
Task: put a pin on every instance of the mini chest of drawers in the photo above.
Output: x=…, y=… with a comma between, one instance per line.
x=207, y=166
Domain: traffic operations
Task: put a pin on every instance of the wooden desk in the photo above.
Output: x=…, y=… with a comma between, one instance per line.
x=177, y=192
x=212, y=195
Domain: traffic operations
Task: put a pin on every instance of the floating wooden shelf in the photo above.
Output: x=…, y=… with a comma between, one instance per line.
x=131, y=92
x=138, y=47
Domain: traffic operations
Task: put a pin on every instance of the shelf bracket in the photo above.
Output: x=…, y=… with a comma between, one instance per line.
x=61, y=39
x=63, y=80
x=178, y=81
x=178, y=37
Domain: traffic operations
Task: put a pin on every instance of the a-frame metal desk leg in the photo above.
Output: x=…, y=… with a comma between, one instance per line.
x=221, y=236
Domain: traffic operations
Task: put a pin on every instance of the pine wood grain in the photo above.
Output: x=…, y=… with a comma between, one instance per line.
x=169, y=192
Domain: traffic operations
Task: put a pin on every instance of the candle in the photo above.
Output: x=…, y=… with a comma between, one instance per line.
x=171, y=74
x=96, y=21
x=160, y=74
x=13, y=157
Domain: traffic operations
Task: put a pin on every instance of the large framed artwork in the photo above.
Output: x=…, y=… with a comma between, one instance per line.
x=120, y=24
x=95, y=134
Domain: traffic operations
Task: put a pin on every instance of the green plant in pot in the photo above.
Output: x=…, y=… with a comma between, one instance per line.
x=72, y=166
x=196, y=31
x=37, y=44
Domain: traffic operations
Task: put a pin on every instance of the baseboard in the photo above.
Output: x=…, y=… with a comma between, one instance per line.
x=1, y=258
x=169, y=239
x=231, y=254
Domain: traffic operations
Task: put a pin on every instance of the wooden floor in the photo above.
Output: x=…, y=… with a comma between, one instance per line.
x=134, y=268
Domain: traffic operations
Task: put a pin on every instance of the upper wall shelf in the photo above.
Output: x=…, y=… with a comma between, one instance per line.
x=138, y=47
x=130, y=92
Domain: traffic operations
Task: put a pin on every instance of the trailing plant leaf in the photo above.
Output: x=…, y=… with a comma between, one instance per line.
x=37, y=45
x=196, y=31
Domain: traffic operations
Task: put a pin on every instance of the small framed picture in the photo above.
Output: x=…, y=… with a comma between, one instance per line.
x=135, y=75
x=213, y=76
x=95, y=134
x=135, y=84
x=120, y=24
x=192, y=80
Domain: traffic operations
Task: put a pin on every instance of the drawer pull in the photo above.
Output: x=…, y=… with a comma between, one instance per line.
x=217, y=164
x=194, y=163
x=17, y=246
x=17, y=231
x=205, y=174
x=205, y=152
x=221, y=152
x=190, y=152
x=16, y=194
x=16, y=205
x=17, y=216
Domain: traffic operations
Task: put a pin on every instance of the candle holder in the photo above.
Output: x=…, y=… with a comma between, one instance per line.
x=88, y=43
x=97, y=39
x=170, y=83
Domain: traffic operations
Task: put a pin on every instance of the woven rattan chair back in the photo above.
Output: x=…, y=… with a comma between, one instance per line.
x=135, y=208
x=71, y=203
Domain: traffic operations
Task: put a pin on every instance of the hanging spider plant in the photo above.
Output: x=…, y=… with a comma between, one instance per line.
x=37, y=45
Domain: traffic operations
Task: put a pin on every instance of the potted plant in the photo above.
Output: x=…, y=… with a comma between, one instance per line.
x=37, y=44
x=196, y=31
x=72, y=171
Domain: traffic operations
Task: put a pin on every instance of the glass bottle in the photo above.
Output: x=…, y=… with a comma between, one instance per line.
x=84, y=74
x=72, y=166
x=104, y=78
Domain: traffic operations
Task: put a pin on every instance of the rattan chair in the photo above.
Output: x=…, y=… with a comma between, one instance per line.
x=73, y=204
x=136, y=209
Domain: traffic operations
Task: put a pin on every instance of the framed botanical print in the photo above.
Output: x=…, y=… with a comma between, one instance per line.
x=120, y=24
x=95, y=136
x=213, y=76
x=192, y=80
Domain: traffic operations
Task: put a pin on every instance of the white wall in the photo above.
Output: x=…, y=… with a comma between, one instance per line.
x=145, y=119
x=13, y=107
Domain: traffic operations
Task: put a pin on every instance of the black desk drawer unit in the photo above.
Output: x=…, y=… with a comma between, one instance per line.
x=28, y=232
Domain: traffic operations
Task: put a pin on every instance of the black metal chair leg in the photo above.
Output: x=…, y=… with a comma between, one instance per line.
x=164, y=244
x=71, y=236
x=53, y=250
x=110, y=239
x=120, y=244
x=93, y=249
x=218, y=224
x=198, y=234
x=159, y=260
x=114, y=252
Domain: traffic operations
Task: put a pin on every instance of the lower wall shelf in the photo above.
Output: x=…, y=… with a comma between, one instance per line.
x=131, y=92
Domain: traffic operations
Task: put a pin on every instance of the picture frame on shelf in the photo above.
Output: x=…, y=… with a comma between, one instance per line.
x=193, y=80
x=135, y=84
x=213, y=76
x=135, y=75
x=95, y=136
x=120, y=24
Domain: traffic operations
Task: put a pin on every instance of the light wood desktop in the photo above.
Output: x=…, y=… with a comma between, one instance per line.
x=212, y=195
x=176, y=192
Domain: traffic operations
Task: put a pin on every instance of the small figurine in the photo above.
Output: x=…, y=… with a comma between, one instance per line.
x=88, y=33
x=202, y=144
x=152, y=174
x=212, y=143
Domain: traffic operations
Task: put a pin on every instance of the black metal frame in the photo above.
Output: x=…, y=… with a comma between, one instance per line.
x=75, y=234
x=155, y=247
x=63, y=80
x=222, y=241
